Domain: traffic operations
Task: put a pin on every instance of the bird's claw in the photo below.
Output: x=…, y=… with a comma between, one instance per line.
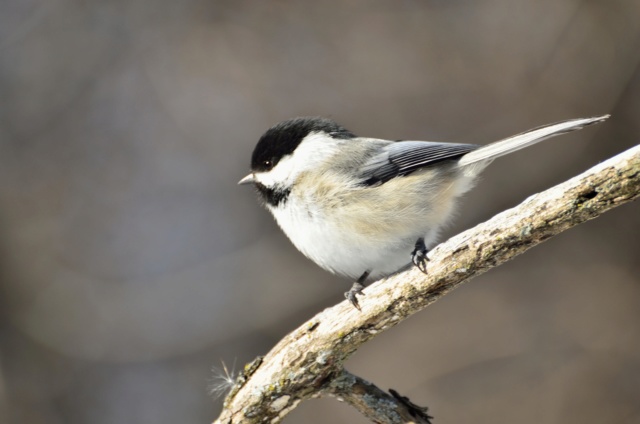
x=419, y=256
x=352, y=294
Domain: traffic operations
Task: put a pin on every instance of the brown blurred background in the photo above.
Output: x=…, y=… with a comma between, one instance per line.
x=131, y=263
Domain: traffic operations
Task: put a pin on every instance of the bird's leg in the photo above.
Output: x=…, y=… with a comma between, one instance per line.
x=356, y=289
x=419, y=255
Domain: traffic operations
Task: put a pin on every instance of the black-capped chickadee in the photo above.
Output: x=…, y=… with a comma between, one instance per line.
x=365, y=207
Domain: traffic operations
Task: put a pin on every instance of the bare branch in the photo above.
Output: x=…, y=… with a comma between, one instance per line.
x=308, y=362
x=374, y=403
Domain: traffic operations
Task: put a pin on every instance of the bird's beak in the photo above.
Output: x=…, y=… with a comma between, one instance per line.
x=247, y=180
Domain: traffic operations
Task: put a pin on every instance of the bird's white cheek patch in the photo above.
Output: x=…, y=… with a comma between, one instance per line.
x=282, y=174
x=312, y=151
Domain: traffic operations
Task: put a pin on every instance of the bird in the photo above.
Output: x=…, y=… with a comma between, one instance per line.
x=364, y=207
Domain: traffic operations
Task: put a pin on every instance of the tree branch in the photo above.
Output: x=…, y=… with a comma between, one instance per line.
x=308, y=362
x=374, y=403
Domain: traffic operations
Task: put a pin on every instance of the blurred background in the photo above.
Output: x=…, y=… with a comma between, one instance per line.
x=131, y=263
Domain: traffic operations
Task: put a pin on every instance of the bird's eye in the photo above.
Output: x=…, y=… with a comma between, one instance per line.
x=267, y=163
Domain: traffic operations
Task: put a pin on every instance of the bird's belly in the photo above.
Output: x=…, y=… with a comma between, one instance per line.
x=347, y=246
x=348, y=254
x=350, y=231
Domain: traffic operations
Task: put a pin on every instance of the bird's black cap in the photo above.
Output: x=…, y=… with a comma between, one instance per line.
x=283, y=138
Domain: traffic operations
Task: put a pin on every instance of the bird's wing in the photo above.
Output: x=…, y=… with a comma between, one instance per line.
x=403, y=157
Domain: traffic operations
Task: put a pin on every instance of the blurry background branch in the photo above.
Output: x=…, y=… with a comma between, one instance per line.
x=307, y=362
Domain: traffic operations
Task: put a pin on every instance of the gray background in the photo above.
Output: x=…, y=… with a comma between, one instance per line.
x=131, y=263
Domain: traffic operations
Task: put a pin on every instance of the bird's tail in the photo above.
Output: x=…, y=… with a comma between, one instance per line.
x=526, y=139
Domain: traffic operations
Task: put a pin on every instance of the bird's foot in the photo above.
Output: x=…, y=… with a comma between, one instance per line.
x=352, y=294
x=419, y=255
x=357, y=289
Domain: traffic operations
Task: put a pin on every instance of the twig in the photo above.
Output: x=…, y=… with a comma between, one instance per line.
x=374, y=403
x=308, y=362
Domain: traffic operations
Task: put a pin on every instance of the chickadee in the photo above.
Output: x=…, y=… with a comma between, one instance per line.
x=366, y=207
